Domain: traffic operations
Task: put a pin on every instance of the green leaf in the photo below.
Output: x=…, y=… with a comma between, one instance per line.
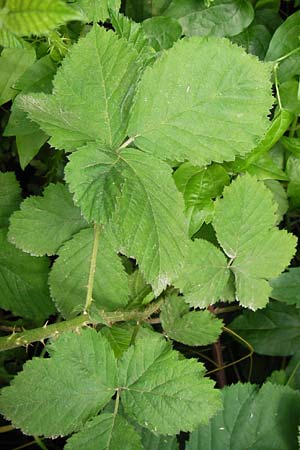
x=204, y=275
x=289, y=95
x=23, y=283
x=38, y=77
x=255, y=39
x=284, y=41
x=221, y=18
x=194, y=328
x=8, y=39
x=293, y=172
x=13, y=63
x=286, y=287
x=10, y=196
x=142, y=9
x=292, y=144
x=162, y=392
x=153, y=441
x=134, y=34
x=94, y=110
x=266, y=169
x=70, y=387
x=96, y=10
x=186, y=108
x=162, y=32
x=105, y=432
x=275, y=330
x=140, y=292
x=252, y=419
x=71, y=270
x=54, y=212
x=96, y=179
x=150, y=223
x=280, y=197
x=245, y=226
x=26, y=17
x=199, y=186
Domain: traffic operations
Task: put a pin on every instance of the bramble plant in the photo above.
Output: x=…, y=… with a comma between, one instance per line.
x=164, y=184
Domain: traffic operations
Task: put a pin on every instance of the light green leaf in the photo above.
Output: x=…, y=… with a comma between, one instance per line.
x=199, y=186
x=221, y=18
x=134, y=34
x=95, y=109
x=71, y=270
x=162, y=392
x=23, y=283
x=162, y=32
x=289, y=95
x=8, y=39
x=286, y=287
x=13, y=63
x=193, y=328
x=106, y=432
x=284, y=41
x=96, y=179
x=96, y=10
x=293, y=172
x=266, y=169
x=150, y=223
x=292, y=144
x=26, y=17
x=255, y=39
x=38, y=77
x=275, y=330
x=245, y=226
x=10, y=196
x=252, y=419
x=204, y=275
x=153, y=441
x=186, y=108
x=54, y=212
x=70, y=387
x=280, y=197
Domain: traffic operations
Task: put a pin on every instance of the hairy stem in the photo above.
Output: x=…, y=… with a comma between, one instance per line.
x=39, y=334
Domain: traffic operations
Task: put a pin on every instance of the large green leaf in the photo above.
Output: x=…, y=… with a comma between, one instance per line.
x=162, y=32
x=26, y=17
x=10, y=196
x=164, y=392
x=284, y=41
x=245, y=226
x=220, y=18
x=23, y=283
x=193, y=328
x=205, y=274
x=56, y=396
x=69, y=277
x=54, y=212
x=286, y=287
x=186, y=108
x=200, y=185
x=275, y=330
x=150, y=220
x=13, y=63
x=255, y=39
x=89, y=105
x=106, y=432
x=252, y=419
x=95, y=177
x=96, y=10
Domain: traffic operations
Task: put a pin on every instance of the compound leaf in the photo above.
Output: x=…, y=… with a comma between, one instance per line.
x=253, y=419
x=187, y=108
x=70, y=387
x=54, y=212
x=10, y=196
x=106, y=432
x=26, y=17
x=275, y=330
x=71, y=270
x=162, y=392
x=95, y=177
x=245, y=226
x=93, y=105
x=23, y=283
x=151, y=224
x=205, y=274
x=193, y=328
x=220, y=18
